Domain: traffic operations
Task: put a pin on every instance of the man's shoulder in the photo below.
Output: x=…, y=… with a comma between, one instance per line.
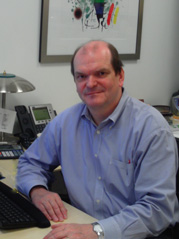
x=74, y=111
x=147, y=114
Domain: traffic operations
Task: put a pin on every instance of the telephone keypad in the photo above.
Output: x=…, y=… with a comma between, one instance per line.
x=40, y=128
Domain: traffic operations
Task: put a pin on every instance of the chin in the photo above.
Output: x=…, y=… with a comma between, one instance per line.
x=93, y=104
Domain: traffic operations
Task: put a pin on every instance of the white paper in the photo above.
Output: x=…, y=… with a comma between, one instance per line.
x=7, y=120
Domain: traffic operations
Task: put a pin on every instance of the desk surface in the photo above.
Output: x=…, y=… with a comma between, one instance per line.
x=8, y=169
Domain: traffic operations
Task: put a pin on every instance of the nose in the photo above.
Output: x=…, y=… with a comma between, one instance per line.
x=91, y=81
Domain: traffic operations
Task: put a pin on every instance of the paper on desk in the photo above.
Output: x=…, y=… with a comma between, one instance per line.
x=7, y=120
x=174, y=125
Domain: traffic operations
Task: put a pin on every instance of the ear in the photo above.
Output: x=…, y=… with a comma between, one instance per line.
x=121, y=78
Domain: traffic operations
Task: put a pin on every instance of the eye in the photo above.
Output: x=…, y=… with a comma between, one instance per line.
x=101, y=74
x=80, y=77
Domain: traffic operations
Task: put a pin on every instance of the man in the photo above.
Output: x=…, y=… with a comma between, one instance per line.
x=118, y=157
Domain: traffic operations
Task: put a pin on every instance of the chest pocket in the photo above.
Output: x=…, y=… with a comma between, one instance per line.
x=120, y=178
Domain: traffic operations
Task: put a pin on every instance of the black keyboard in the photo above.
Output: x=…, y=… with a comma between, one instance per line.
x=18, y=212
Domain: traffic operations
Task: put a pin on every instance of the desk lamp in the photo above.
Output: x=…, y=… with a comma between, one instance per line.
x=10, y=83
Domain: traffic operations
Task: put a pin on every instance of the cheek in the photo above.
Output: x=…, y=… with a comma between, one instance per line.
x=112, y=85
x=79, y=88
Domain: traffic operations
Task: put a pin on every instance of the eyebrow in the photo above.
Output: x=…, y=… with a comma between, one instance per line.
x=98, y=70
x=79, y=73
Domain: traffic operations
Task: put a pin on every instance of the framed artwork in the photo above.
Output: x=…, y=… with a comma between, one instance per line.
x=67, y=24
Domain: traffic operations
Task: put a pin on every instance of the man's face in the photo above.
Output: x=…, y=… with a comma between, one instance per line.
x=97, y=84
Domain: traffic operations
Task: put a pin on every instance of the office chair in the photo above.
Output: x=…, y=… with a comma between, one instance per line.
x=176, y=227
x=171, y=232
x=59, y=186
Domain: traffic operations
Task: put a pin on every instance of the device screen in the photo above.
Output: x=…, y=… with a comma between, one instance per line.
x=176, y=101
x=41, y=113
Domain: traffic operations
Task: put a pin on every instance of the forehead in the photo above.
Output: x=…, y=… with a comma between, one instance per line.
x=91, y=56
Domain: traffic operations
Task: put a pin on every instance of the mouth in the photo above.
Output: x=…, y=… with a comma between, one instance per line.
x=92, y=93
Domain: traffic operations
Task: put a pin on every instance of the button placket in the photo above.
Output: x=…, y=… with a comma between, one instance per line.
x=98, y=193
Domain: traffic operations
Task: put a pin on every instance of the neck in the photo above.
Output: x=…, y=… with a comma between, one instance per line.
x=100, y=114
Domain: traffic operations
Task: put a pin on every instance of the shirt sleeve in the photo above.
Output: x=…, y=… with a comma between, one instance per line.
x=155, y=163
x=35, y=166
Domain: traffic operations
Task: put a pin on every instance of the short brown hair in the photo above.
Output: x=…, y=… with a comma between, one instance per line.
x=115, y=58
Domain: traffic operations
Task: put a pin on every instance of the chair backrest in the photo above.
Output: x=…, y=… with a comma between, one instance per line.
x=177, y=185
x=176, y=227
x=177, y=177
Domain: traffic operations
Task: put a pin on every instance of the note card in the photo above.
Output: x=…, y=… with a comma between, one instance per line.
x=7, y=120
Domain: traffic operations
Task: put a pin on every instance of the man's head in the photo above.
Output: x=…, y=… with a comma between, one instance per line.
x=99, y=76
x=115, y=59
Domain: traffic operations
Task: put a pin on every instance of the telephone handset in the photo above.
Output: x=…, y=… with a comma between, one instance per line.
x=33, y=122
x=28, y=133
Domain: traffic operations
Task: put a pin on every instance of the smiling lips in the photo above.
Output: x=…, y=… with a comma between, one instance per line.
x=93, y=93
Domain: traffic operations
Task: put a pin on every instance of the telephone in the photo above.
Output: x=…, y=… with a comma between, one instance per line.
x=33, y=122
x=175, y=103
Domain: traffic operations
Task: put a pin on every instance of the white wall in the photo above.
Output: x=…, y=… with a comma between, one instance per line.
x=154, y=77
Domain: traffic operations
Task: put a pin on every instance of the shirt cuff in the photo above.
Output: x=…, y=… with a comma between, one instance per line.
x=110, y=228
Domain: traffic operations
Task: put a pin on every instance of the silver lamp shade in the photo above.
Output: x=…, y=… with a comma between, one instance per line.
x=10, y=83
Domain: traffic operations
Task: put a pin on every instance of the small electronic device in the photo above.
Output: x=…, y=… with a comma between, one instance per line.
x=10, y=151
x=41, y=115
x=33, y=122
x=1, y=176
x=163, y=109
x=175, y=103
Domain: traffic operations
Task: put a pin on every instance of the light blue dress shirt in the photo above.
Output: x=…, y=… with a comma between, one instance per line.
x=121, y=172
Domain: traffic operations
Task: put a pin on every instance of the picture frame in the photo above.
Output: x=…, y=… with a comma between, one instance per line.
x=65, y=26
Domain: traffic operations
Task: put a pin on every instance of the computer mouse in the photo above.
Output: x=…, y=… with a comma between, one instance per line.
x=1, y=175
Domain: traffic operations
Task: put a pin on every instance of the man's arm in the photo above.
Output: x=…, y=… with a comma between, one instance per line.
x=156, y=204
x=36, y=165
x=34, y=173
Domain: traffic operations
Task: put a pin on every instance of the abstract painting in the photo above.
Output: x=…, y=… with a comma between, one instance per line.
x=66, y=24
x=95, y=13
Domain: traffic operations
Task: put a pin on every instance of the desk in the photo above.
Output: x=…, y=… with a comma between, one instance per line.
x=8, y=169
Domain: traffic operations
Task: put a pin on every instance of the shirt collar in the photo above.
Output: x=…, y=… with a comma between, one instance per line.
x=120, y=107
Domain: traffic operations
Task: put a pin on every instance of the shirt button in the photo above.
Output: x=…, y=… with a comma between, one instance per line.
x=98, y=201
x=96, y=155
x=98, y=132
x=99, y=178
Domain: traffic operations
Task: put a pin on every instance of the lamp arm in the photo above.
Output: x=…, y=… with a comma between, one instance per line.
x=3, y=100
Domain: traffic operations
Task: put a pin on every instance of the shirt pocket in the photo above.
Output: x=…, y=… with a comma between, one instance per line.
x=120, y=176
